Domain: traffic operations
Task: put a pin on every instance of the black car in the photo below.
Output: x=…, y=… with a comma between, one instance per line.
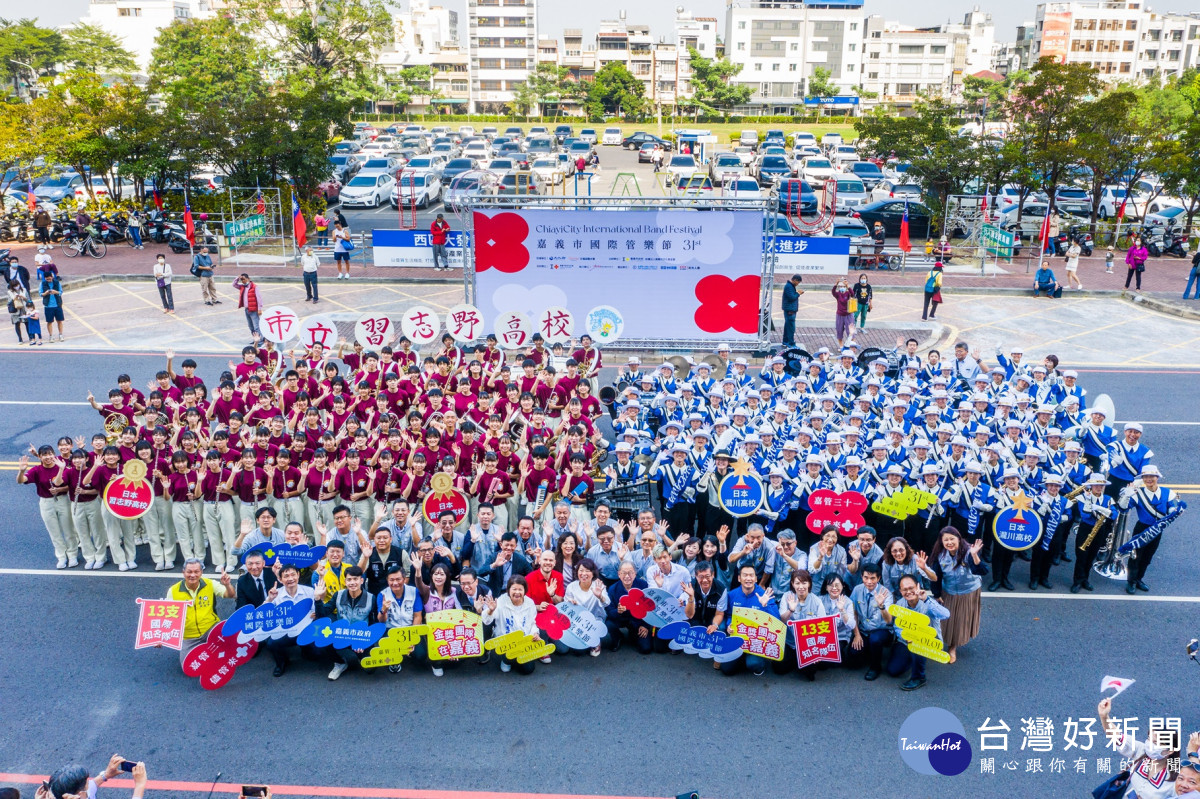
x=636, y=140
x=456, y=167
x=890, y=212
x=563, y=132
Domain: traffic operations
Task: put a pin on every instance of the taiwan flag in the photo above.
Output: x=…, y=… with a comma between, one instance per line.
x=158, y=203
x=260, y=207
x=1044, y=234
x=189, y=225
x=904, y=243
x=299, y=228
x=30, y=200
x=1121, y=210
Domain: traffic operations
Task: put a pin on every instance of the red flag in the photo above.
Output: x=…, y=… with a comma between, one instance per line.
x=299, y=228
x=158, y=203
x=1121, y=210
x=983, y=206
x=260, y=207
x=189, y=226
x=1044, y=234
x=31, y=200
x=904, y=243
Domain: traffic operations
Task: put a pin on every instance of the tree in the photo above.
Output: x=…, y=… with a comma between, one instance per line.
x=1117, y=144
x=819, y=83
x=615, y=90
x=988, y=96
x=545, y=85
x=92, y=48
x=414, y=81
x=28, y=53
x=712, y=85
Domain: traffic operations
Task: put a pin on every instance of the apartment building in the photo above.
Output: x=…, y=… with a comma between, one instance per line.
x=136, y=23
x=502, y=45
x=901, y=63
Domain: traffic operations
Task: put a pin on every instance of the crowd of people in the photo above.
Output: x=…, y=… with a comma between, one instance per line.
x=341, y=449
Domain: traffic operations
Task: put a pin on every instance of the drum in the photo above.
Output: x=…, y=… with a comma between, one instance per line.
x=795, y=360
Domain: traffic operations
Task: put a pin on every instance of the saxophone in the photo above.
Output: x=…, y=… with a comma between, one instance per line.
x=1087, y=542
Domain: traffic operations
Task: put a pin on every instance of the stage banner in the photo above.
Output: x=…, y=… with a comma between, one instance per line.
x=672, y=274
x=414, y=248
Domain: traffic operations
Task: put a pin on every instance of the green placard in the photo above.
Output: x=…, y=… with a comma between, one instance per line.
x=998, y=242
x=246, y=230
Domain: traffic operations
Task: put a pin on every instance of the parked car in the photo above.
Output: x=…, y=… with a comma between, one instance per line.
x=122, y=186
x=891, y=212
x=566, y=164
x=447, y=150
x=433, y=164
x=514, y=131
x=330, y=188
x=422, y=189
x=488, y=132
x=1168, y=216
x=856, y=231
x=645, y=152
x=844, y=154
x=368, y=190
x=725, y=166
x=611, y=136
x=894, y=189
x=418, y=143
x=547, y=170
x=749, y=138
x=816, y=170
x=641, y=137
x=455, y=167
x=802, y=138
x=563, y=131
x=579, y=148
x=589, y=135
x=698, y=185
x=744, y=191
x=466, y=131
x=462, y=190
x=831, y=140
x=870, y=174
x=851, y=193
x=1032, y=216
x=59, y=187
x=681, y=167
x=1073, y=201
x=771, y=169
x=385, y=163
x=477, y=150
x=745, y=155
x=517, y=183
x=502, y=165
x=796, y=196
x=347, y=146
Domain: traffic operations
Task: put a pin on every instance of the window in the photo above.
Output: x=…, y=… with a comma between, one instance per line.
x=872, y=76
x=741, y=45
x=490, y=63
x=937, y=49
x=853, y=26
x=849, y=67
x=742, y=25
x=701, y=47
x=489, y=85
x=458, y=85
x=791, y=67
x=1125, y=67
x=1129, y=47
x=795, y=47
x=129, y=12
x=912, y=49
x=757, y=66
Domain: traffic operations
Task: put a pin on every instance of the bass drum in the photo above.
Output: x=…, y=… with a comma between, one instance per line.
x=873, y=354
x=795, y=360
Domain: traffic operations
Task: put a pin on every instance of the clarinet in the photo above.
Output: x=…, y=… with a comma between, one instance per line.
x=677, y=489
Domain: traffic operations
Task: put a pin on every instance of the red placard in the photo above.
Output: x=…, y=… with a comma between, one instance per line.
x=844, y=511
x=816, y=640
x=452, y=500
x=160, y=623
x=128, y=498
x=216, y=660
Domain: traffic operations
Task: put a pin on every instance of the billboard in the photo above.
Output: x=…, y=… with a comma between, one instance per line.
x=413, y=248
x=812, y=255
x=1056, y=32
x=672, y=274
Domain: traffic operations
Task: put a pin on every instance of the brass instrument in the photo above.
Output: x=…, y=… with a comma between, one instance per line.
x=114, y=423
x=1076, y=492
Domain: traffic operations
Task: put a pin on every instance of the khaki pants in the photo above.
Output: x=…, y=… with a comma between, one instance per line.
x=56, y=515
x=220, y=526
x=361, y=509
x=289, y=510
x=120, y=538
x=185, y=518
x=159, y=531
x=208, y=290
x=320, y=511
x=89, y=528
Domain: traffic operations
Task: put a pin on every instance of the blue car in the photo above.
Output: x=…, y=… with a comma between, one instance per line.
x=796, y=197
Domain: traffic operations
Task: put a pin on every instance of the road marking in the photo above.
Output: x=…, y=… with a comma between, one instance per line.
x=318, y=790
x=72, y=317
x=39, y=402
x=1102, y=597
x=76, y=572
x=172, y=317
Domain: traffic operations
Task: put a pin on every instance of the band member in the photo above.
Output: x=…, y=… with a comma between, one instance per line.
x=1153, y=503
x=1126, y=459
x=1095, y=511
x=1054, y=509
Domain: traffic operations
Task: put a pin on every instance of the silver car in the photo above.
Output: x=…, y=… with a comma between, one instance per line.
x=851, y=193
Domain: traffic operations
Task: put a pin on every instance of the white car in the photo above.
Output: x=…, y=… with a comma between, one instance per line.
x=802, y=138
x=851, y=193
x=845, y=154
x=421, y=186
x=744, y=191
x=817, y=170
x=477, y=150
x=547, y=171
x=588, y=135
x=433, y=164
x=831, y=140
x=100, y=190
x=891, y=189
x=466, y=131
x=681, y=168
x=749, y=138
x=367, y=189
x=745, y=154
x=725, y=166
x=611, y=136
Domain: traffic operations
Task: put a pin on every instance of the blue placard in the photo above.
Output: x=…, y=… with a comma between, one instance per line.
x=383, y=237
x=1017, y=529
x=300, y=555
x=741, y=495
x=697, y=640
x=341, y=634
x=842, y=99
x=250, y=620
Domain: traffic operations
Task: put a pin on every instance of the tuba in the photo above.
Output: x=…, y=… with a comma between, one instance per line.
x=1109, y=562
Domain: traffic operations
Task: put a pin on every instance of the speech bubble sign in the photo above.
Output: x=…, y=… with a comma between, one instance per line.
x=341, y=634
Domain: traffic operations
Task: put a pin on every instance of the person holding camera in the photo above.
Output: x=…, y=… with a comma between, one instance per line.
x=73, y=782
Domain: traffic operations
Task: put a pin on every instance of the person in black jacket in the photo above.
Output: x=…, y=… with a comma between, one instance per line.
x=862, y=294
x=791, y=306
x=256, y=583
x=508, y=564
x=620, y=622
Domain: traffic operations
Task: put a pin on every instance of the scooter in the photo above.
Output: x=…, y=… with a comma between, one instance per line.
x=1078, y=235
x=1175, y=243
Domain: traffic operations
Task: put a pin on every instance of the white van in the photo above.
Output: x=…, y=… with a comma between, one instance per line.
x=831, y=140
x=611, y=136
x=749, y=138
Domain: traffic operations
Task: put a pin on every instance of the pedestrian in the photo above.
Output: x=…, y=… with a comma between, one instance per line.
x=52, y=307
x=879, y=237
x=1073, y=253
x=843, y=318
x=17, y=297
x=248, y=301
x=17, y=272
x=33, y=325
x=1055, y=226
x=341, y=249
x=162, y=279
x=437, y=236
x=656, y=157
x=1193, y=276
x=44, y=263
x=321, y=223
x=308, y=270
x=933, y=291
x=341, y=219
x=581, y=164
x=863, y=294
x=1135, y=259
x=1109, y=257
x=135, y=228
x=41, y=223
x=202, y=267
x=791, y=306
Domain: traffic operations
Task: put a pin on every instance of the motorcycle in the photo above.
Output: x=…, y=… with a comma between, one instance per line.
x=160, y=228
x=1078, y=235
x=1175, y=243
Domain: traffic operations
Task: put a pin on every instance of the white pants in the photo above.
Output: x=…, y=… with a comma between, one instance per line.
x=89, y=528
x=220, y=526
x=160, y=533
x=120, y=538
x=289, y=510
x=185, y=517
x=56, y=515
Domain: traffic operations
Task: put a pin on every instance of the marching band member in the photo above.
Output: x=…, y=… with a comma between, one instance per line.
x=1153, y=503
x=1095, y=511
x=1054, y=509
x=1096, y=437
x=924, y=524
x=1126, y=459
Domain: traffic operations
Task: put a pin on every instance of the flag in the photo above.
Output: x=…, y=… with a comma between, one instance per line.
x=1118, y=684
x=904, y=243
x=260, y=207
x=983, y=206
x=299, y=229
x=31, y=200
x=1044, y=234
x=1121, y=210
x=158, y=203
x=189, y=226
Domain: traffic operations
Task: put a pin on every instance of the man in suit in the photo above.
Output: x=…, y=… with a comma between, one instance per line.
x=508, y=564
x=256, y=583
x=791, y=305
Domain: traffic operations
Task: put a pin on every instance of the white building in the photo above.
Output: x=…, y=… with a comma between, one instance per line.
x=780, y=42
x=502, y=44
x=425, y=29
x=902, y=62
x=980, y=34
x=137, y=22
x=697, y=33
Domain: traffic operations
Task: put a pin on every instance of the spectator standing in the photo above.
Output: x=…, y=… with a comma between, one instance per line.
x=863, y=294
x=248, y=301
x=791, y=306
x=1193, y=276
x=879, y=237
x=1055, y=226
x=135, y=227
x=33, y=325
x=321, y=223
x=162, y=278
x=1135, y=259
x=656, y=157
x=202, y=267
x=933, y=291
x=437, y=237
x=1073, y=253
x=340, y=218
x=308, y=270
x=52, y=307
x=341, y=250
x=74, y=781
x=17, y=297
x=18, y=272
x=843, y=319
x=41, y=224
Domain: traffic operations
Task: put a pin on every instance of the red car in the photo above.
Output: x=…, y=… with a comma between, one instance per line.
x=331, y=188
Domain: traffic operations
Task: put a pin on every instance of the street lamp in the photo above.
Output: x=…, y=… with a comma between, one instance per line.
x=32, y=72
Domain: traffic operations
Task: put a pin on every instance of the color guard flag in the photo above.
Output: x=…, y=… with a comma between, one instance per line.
x=1117, y=684
x=299, y=228
x=158, y=203
x=189, y=226
x=904, y=243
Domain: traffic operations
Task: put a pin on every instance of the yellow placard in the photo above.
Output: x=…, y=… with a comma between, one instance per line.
x=765, y=635
x=519, y=646
x=904, y=615
x=936, y=655
x=904, y=503
x=395, y=646
x=454, y=634
x=926, y=636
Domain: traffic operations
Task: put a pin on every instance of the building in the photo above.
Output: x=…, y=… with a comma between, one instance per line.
x=901, y=63
x=692, y=33
x=502, y=44
x=1121, y=39
x=779, y=43
x=136, y=23
x=980, y=35
x=425, y=29
x=1016, y=55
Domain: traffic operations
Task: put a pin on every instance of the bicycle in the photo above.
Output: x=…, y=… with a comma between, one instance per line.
x=73, y=246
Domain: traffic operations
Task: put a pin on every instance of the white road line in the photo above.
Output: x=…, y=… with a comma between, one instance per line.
x=39, y=402
x=78, y=572
x=1102, y=597
x=1163, y=423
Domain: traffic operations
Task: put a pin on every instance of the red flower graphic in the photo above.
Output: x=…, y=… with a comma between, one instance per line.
x=500, y=242
x=637, y=603
x=726, y=304
x=552, y=622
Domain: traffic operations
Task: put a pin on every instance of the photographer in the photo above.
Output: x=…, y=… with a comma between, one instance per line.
x=72, y=782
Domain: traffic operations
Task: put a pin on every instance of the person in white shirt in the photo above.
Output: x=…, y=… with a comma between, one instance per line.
x=589, y=593
x=162, y=278
x=308, y=270
x=512, y=612
x=289, y=590
x=670, y=577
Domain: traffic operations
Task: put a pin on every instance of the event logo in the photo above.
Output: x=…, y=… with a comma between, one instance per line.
x=604, y=324
x=933, y=741
x=500, y=242
x=697, y=640
x=741, y=491
x=728, y=304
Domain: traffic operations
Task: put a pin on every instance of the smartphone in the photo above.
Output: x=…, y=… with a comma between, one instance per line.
x=127, y=765
x=254, y=790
